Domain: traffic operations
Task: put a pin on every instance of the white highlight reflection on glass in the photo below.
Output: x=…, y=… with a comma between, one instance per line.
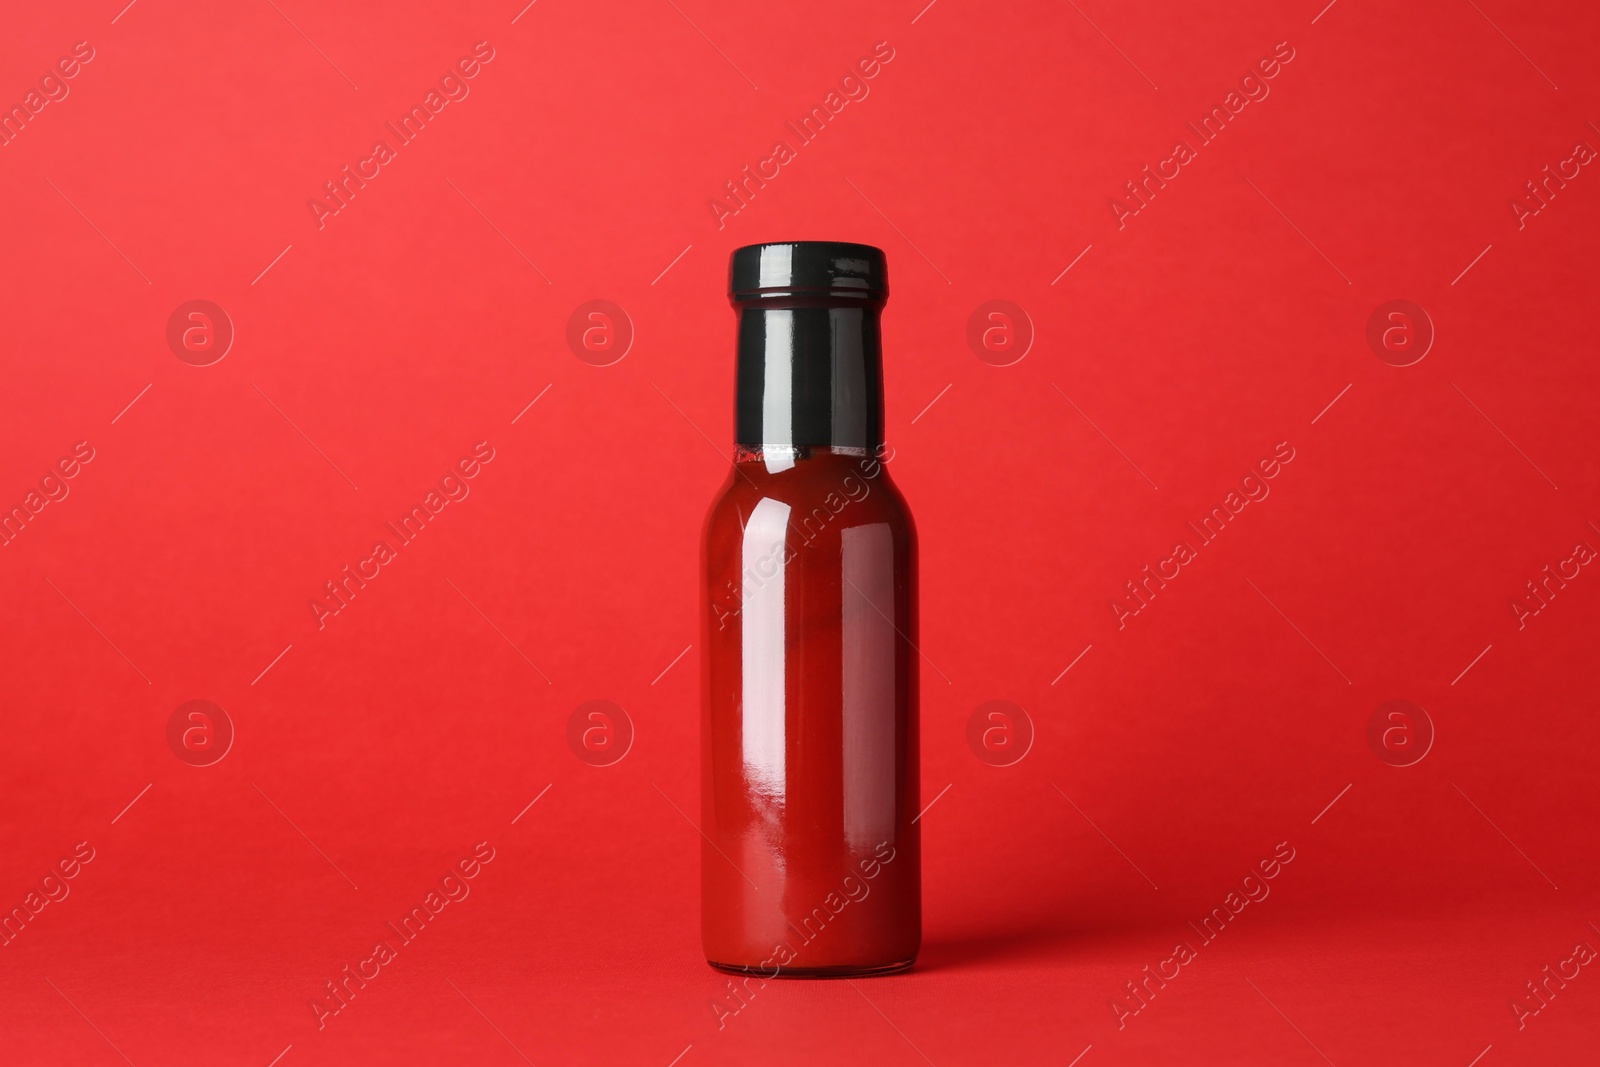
x=777, y=389
x=868, y=654
x=761, y=616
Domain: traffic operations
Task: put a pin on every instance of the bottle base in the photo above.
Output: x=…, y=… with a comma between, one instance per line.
x=842, y=971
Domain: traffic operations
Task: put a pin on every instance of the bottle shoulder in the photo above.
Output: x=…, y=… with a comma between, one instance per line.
x=847, y=490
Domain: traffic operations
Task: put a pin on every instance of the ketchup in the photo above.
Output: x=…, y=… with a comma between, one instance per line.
x=810, y=864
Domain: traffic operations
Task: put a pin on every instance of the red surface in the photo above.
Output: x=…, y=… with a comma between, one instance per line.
x=1221, y=720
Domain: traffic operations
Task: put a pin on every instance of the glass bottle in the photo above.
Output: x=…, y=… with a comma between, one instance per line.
x=809, y=779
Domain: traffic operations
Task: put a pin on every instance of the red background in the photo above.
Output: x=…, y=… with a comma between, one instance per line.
x=415, y=324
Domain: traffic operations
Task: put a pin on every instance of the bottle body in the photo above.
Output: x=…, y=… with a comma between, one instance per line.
x=811, y=860
x=811, y=864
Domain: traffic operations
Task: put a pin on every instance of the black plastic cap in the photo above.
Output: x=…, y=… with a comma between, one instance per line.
x=829, y=269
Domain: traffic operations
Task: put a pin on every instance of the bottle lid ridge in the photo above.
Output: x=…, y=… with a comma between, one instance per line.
x=811, y=268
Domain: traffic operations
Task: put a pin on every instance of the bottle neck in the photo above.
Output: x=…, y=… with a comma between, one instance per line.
x=810, y=375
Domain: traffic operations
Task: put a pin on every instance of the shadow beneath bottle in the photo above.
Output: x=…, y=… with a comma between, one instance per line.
x=1048, y=941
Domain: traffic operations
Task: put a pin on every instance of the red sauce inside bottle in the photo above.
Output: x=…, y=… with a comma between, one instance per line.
x=810, y=863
